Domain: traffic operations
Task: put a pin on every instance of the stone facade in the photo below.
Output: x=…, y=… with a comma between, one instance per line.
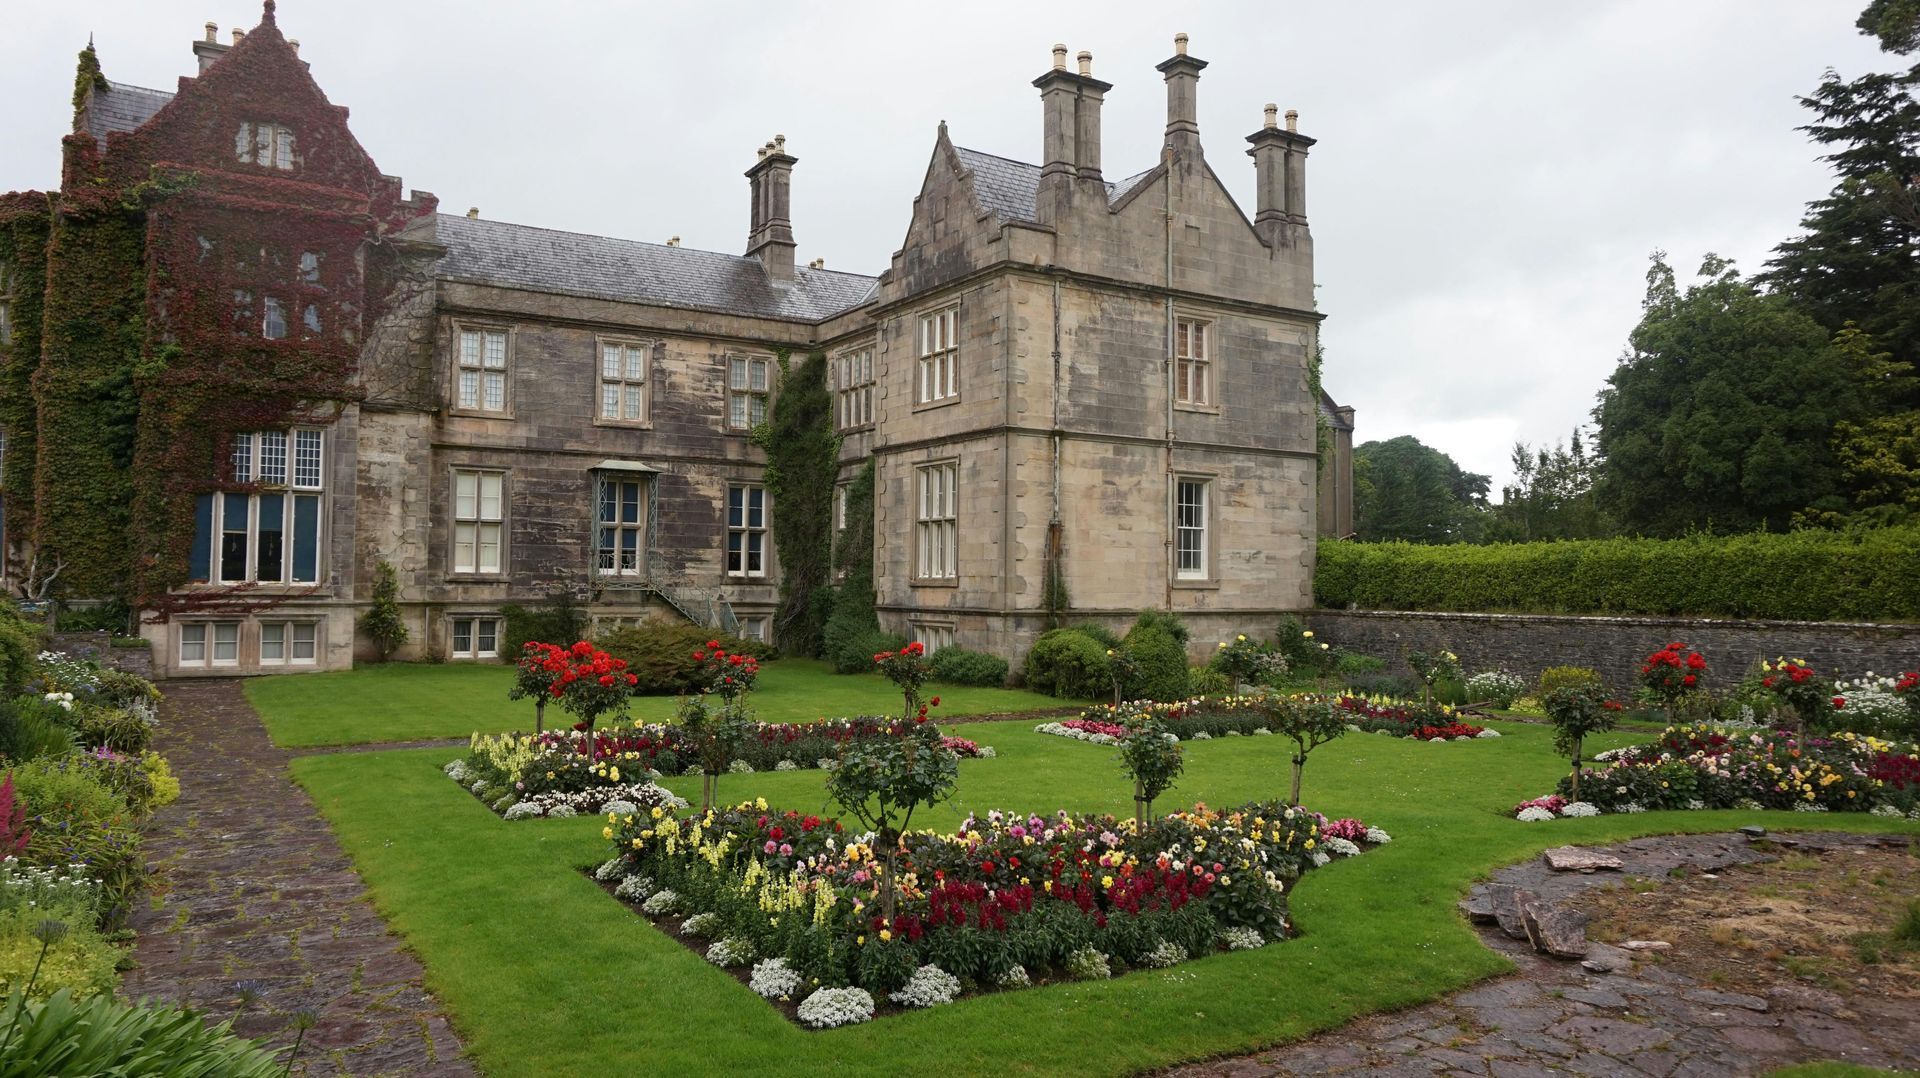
x=1526, y=644
x=1104, y=382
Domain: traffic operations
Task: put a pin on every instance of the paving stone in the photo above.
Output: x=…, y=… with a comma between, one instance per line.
x=247, y=859
x=1578, y=859
x=1506, y=901
x=1725, y=999
x=1606, y=958
x=1609, y=1035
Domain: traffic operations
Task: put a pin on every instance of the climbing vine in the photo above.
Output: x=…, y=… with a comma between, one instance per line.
x=802, y=461
x=25, y=219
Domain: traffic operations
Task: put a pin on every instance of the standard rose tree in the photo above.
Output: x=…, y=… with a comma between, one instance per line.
x=909, y=669
x=1576, y=711
x=534, y=676
x=716, y=733
x=1150, y=755
x=1673, y=674
x=881, y=781
x=591, y=683
x=1808, y=695
x=1311, y=721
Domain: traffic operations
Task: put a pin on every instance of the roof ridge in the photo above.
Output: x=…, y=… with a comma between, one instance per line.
x=995, y=156
x=640, y=243
x=112, y=85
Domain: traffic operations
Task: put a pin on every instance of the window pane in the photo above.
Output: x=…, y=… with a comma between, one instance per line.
x=754, y=542
x=304, y=637
x=759, y=375
x=306, y=538
x=193, y=643
x=268, y=548
x=487, y=629
x=469, y=389
x=233, y=537
x=464, y=538
x=496, y=390
x=273, y=642
x=200, y=555
x=736, y=503
x=634, y=402
x=243, y=143
x=630, y=503
x=610, y=400
x=243, y=458
x=609, y=498
x=759, y=411
x=636, y=363
x=735, y=544
x=274, y=326
x=306, y=458
x=496, y=355
x=737, y=373
x=282, y=147
x=490, y=483
x=469, y=348
x=226, y=641
x=466, y=498
x=489, y=548
x=610, y=361
x=463, y=636
x=273, y=456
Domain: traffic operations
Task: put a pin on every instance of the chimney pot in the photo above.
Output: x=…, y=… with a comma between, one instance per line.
x=1293, y=119
x=1059, y=57
x=673, y=241
x=1273, y=112
x=818, y=263
x=213, y=31
x=779, y=144
x=238, y=34
x=1179, y=44
x=294, y=44
x=473, y=213
x=1086, y=63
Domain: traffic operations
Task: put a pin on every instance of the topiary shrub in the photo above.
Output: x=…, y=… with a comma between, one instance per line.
x=1070, y=663
x=1567, y=677
x=557, y=619
x=959, y=666
x=1158, y=660
x=661, y=654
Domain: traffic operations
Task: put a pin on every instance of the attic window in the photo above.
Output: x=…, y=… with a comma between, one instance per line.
x=269, y=145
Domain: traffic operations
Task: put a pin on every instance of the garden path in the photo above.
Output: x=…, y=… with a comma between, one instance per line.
x=253, y=889
x=1554, y=1017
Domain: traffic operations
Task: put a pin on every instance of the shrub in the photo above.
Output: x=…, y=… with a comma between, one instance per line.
x=121, y=689
x=661, y=654
x=1566, y=677
x=19, y=643
x=117, y=728
x=1307, y=655
x=1576, y=711
x=1104, y=636
x=382, y=622
x=1166, y=622
x=1495, y=687
x=1070, y=663
x=77, y=820
x=80, y=961
x=31, y=728
x=1208, y=681
x=101, y=1035
x=1864, y=575
x=958, y=666
x=556, y=620
x=1159, y=662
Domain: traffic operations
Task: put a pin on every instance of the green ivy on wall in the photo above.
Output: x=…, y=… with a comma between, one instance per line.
x=25, y=220
x=803, y=456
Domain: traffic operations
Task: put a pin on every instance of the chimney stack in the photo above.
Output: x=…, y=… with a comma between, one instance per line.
x=673, y=241
x=1070, y=132
x=1280, y=166
x=213, y=31
x=238, y=34
x=208, y=49
x=473, y=213
x=770, y=239
x=1183, y=78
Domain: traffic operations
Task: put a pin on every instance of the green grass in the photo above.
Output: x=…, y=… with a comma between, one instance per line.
x=545, y=974
x=1835, y=1070
x=409, y=702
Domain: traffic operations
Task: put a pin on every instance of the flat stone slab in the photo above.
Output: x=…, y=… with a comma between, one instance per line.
x=1606, y=958
x=1580, y=859
x=1647, y=945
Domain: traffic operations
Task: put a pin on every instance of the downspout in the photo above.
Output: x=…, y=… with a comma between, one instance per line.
x=1168, y=361
x=1054, y=578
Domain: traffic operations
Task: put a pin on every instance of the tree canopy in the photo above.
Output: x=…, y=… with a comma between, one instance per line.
x=1403, y=489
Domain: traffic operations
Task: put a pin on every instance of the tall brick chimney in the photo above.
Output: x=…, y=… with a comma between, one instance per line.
x=1070, y=132
x=1280, y=168
x=771, y=237
x=1183, y=84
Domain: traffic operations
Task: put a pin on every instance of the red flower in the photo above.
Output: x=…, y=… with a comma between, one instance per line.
x=987, y=867
x=935, y=702
x=1697, y=661
x=1839, y=702
x=1688, y=680
x=606, y=680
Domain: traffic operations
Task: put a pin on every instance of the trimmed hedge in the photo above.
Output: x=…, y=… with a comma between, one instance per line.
x=661, y=654
x=958, y=666
x=1796, y=576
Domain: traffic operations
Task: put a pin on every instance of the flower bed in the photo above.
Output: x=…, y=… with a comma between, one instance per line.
x=1704, y=767
x=1234, y=716
x=791, y=901
x=555, y=770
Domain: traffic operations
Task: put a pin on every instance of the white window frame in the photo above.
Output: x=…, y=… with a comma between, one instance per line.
x=937, y=371
x=270, y=460
x=606, y=557
x=755, y=627
x=1193, y=364
x=266, y=144
x=478, y=627
x=214, y=643
x=481, y=523
x=934, y=635
x=746, y=540
x=842, y=492
x=475, y=372
x=628, y=381
x=288, y=637
x=936, y=521
x=1192, y=528
x=747, y=402
x=853, y=388
x=192, y=634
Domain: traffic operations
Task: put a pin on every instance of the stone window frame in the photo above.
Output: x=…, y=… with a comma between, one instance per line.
x=855, y=393
x=461, y=327
x=280, y=154
x=935, y=362
x=454, y=520
x=945, y=523
x=207, y=632
x=473, y=653
x=602, y=480
x=1208, y=360
x=746, y=530
x=1208, y=577
x=934, y=634
x=762, y=619
x=729, y=392
x=293, y=482
x=648, y=347
x=289, y=640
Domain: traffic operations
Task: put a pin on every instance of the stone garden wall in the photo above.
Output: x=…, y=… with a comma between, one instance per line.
x=1525, y=644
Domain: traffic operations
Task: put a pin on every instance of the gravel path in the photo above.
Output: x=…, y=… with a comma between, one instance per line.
x=252, y=888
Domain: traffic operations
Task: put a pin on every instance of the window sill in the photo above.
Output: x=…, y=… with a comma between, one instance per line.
x=934, y=582
x=628, y=424
x=476, y=578
x=1204, y=409
x=944, y=402
x=479, y=413
x=1197, y=584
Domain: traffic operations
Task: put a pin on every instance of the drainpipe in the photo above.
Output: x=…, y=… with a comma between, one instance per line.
x=1055, y=573
x=1166, y=561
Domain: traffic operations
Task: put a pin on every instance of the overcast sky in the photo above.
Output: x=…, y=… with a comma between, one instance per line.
x=1489, y=179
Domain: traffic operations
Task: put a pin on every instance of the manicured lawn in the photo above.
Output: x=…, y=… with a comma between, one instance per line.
x=545, y=974
x=415, y=702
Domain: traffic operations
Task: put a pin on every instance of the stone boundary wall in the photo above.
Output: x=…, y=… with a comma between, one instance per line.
x=1526, y=644
x=94, y=646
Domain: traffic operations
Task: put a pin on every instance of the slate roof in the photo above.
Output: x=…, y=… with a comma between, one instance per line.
x=1007, y=187
x=573, y=264
x=120, y=107
x=1327, y=410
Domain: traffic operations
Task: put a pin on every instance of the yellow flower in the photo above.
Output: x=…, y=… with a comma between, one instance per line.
x=1309, y=844
x=636, y=843
x=1308, y=634
x=606, y=832
x=656, y=812
x=861, y=940
x=1106, y=881
x=886, y=934
x=1226, y=881
x=1242, y=636
x=614, y=774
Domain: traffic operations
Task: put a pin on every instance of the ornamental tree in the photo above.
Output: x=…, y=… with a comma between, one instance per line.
x=1311, y=721
x=1673, y=673
x=880, y=781
x=592, y=683
x=1431, y=667
x=383, y=621
x=1794, y=684
x=716, y=733
x=1576, y=711
x=909, y=669
x=534, y=676
x=1151, y=756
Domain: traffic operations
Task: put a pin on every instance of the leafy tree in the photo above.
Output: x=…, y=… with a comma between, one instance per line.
x=1718, y=416
x=1551, y=496
x=1406, y=490
x=1151, y=757
x=1310, y=721
x=880, y=781
x=1576, y=711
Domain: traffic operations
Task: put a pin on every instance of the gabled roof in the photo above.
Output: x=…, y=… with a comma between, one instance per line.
x=120, y=107
x=574, y=264
x=1009, y=188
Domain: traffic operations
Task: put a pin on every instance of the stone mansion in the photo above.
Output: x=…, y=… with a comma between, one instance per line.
x=1058, y=367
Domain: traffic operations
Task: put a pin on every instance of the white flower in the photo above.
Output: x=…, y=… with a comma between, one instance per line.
x=773, y=979
x=1534, y=814
x=740, y=767
x=561, y=812
x=929, y=986
x=1887, y=811
x=1261, y=731
x=830, y=1007
x=1378, y=837
x=1580, y=808
x=1243, y=939
x=1340, y=846
x=825, y=763
x=1696, y=805
x=700, y=924
x=523, y=810
x=619, y=808
x=477, y=785
x=732, y=951
x=608, y=870
x=1202, y=736
x=456, y=770
x=1087, y=964
x=662, y=902
x=1319, y=859
x=1807, y=806
x=1163, y=955
x=786, y=765
x=987, y=753
x=1015, y=977
x=1633, y=806
x=1488, y=732
x=634, y=888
